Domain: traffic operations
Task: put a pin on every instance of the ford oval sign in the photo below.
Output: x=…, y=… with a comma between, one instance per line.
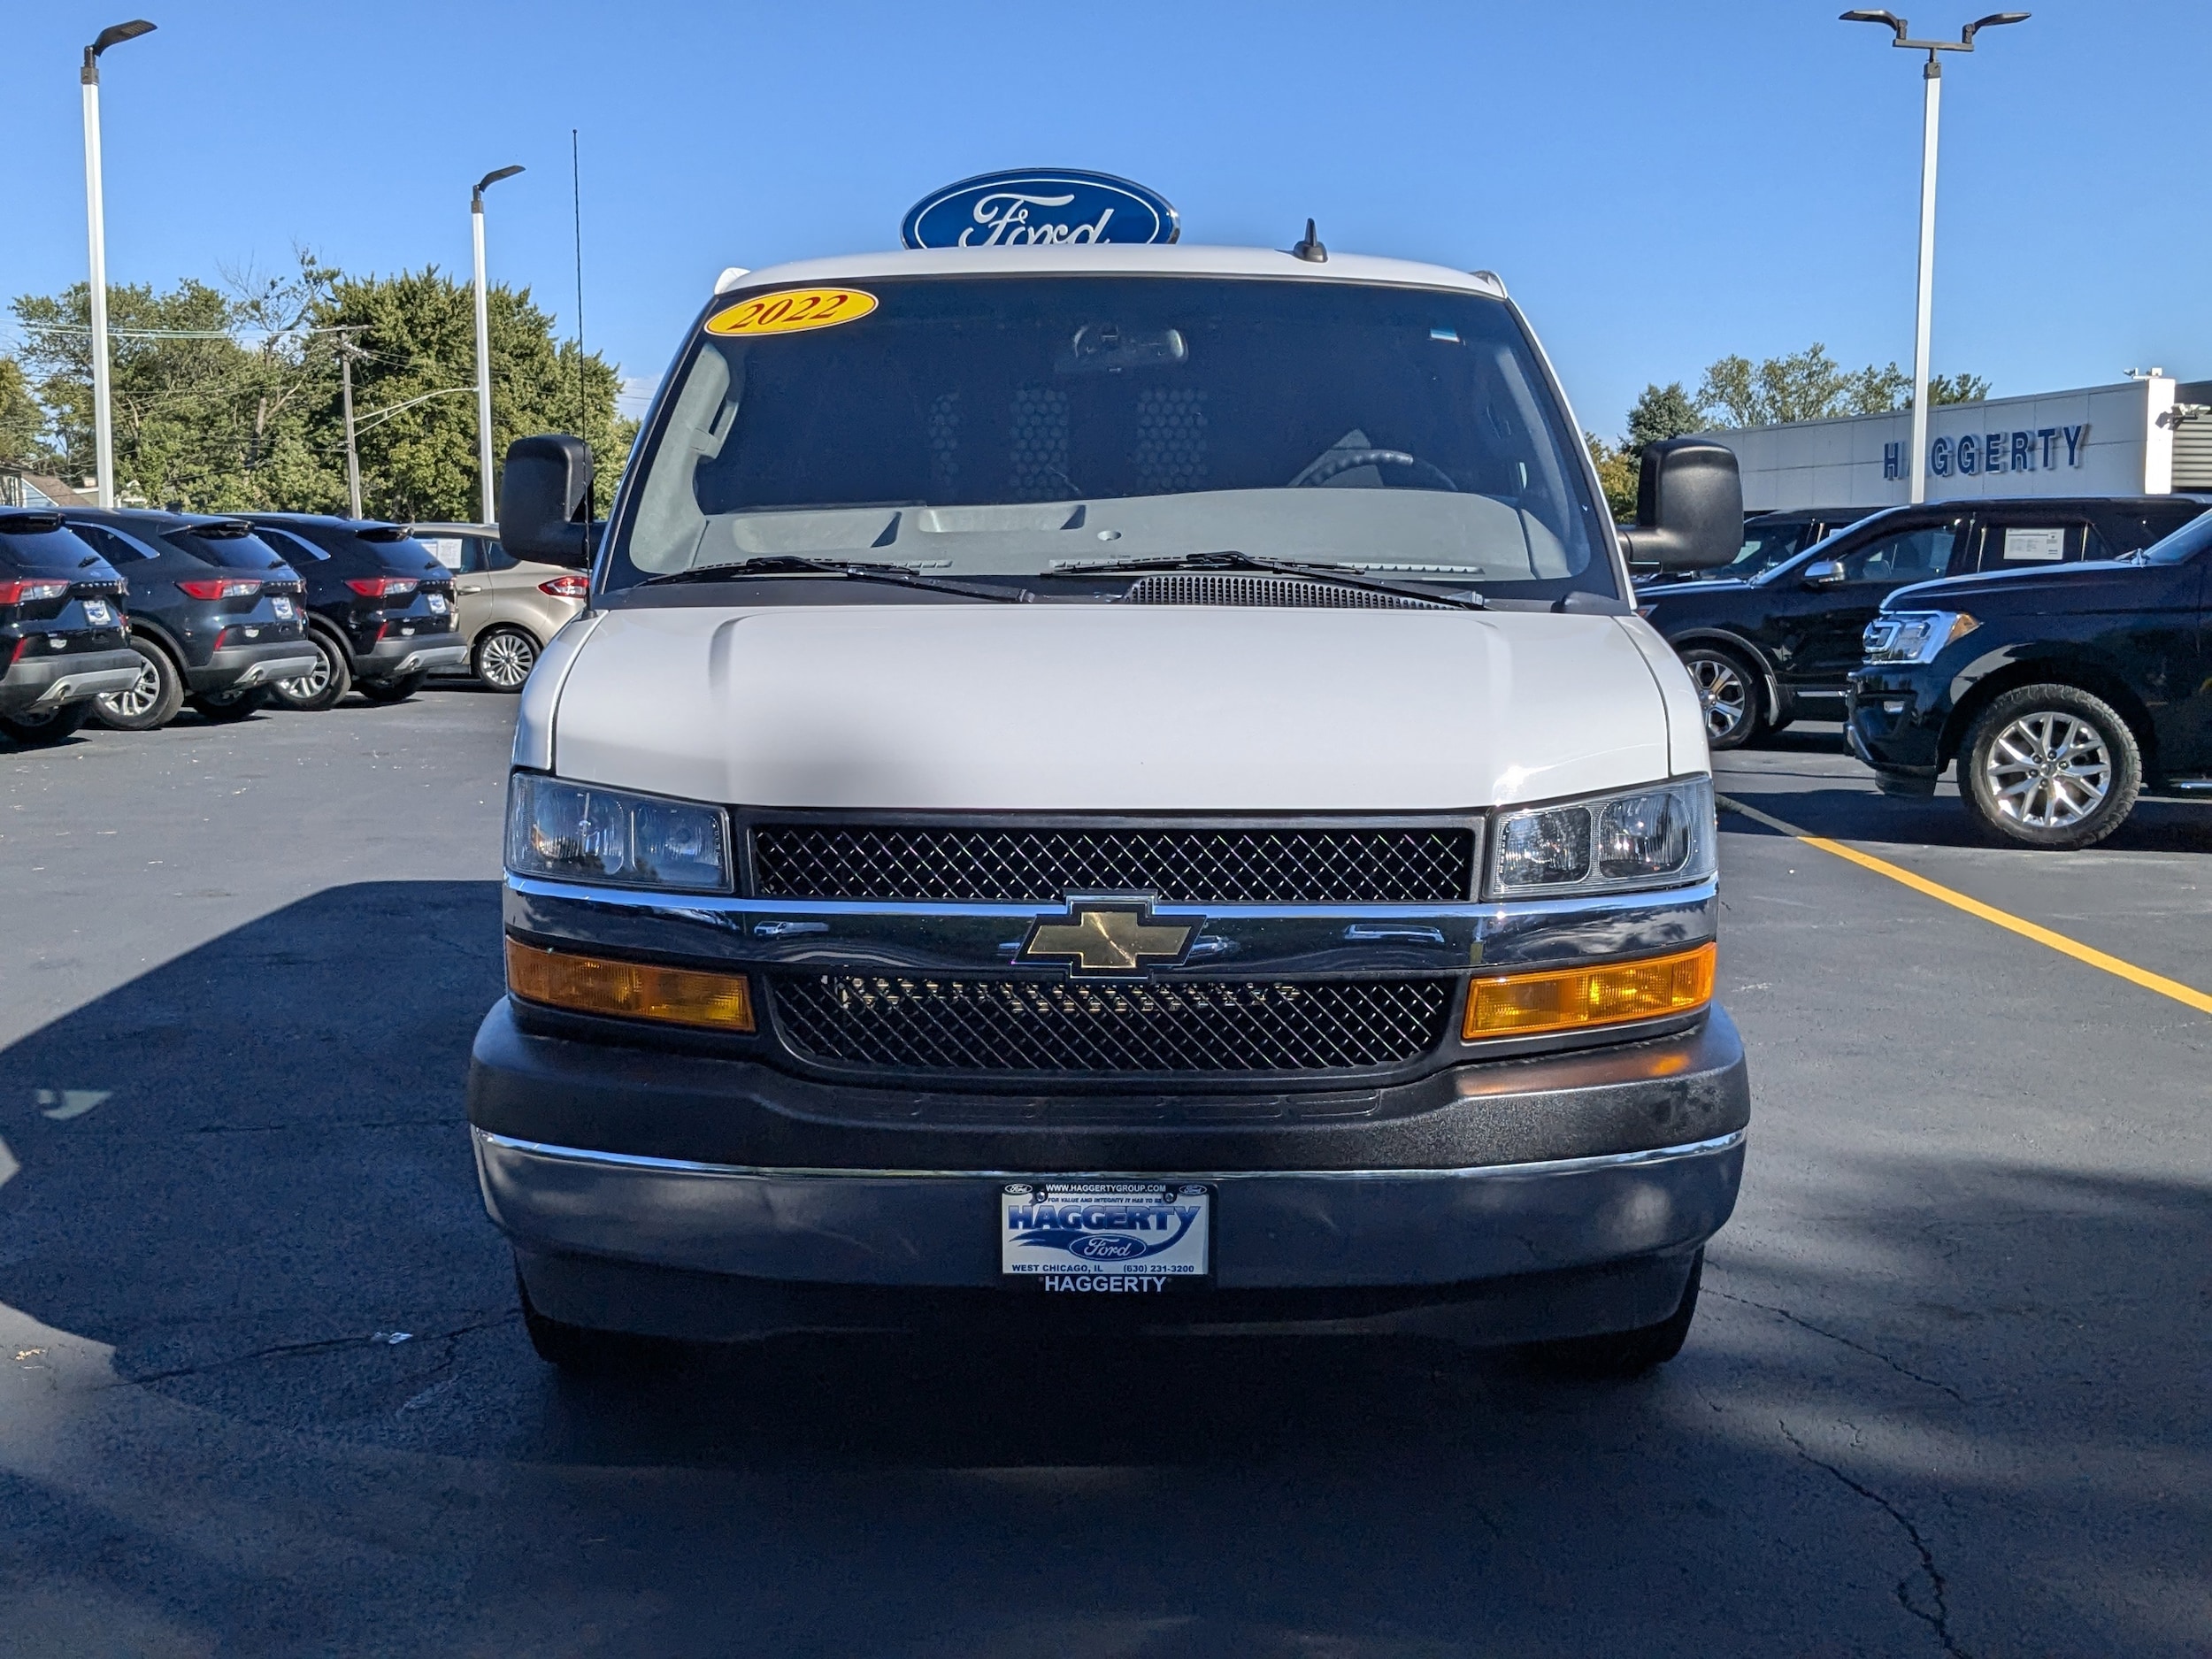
x=1044, y=207
x=1104, y=1247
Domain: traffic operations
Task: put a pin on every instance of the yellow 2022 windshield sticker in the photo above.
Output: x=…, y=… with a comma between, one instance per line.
x=792, y=310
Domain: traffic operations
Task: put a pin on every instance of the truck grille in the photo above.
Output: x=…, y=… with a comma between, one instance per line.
x=1411, y=864
x=1059, y=1026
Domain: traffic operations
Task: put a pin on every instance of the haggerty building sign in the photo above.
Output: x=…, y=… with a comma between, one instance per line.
x=1008, y=210
x=1994, y=452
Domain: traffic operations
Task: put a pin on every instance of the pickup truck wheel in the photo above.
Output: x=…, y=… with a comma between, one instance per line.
x=504, y=658
x=35, y=731
x=392, y=690
x=152, y=703
x=326, y=685
x=223, y=707
x=2050, y=766
x=1728, y=691
x=1622, y=1354
x=579, y=1351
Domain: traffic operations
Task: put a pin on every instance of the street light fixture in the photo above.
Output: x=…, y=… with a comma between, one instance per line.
x=95, y=215
x=484, y=347
x=1932, y=103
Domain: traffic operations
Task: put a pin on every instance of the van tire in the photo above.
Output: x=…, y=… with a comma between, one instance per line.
x=37, y=731
x=2045, y=751
x=1727, y=691
x=1622, y=1354
x=150, y=704
x=578, y=1350
x=334, y=676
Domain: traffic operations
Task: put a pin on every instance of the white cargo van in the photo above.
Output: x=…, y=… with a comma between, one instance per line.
x=1111, y=788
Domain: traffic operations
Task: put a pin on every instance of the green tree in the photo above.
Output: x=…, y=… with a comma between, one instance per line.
x=207, y=387
x=1810, y=385
x=414, y=389
x=1661, y=413
x=22, y=422
x=1617, y=466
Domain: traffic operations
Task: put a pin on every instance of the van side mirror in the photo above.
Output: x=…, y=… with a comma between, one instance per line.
x=1689, y=506
x=545, y=502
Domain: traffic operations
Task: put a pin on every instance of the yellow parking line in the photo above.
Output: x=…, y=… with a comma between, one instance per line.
x=2059, y=942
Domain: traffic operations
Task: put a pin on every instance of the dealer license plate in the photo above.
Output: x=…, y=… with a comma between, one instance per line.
x=437, y=603
x=283, y=607
x=96, y=613
x=1109, y=1236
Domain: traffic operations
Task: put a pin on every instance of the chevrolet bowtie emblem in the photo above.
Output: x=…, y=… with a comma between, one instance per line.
x=1106, y=938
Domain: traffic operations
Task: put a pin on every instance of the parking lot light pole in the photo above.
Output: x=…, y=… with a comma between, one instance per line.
x=484, y=348
x=1932, y=103
x=95, y=215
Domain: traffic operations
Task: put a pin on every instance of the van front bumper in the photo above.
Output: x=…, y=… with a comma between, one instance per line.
x=1552, y=1196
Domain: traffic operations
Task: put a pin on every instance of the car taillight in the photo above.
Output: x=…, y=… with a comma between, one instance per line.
x=22, y=593
x=567, y=586
x=220, y=587
x=382, y=587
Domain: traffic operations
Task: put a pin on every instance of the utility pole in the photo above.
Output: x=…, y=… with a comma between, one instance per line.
x=484, y=349
x=1931, y=107
x=96, y=216
x=346, y=352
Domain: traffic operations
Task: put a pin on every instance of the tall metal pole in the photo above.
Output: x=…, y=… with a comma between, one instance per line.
x=1932, y=83
x=95, y=218
x=483, y=368
x=353, y=457
x=484, y=349
x=1925, y=316
x=95, y=214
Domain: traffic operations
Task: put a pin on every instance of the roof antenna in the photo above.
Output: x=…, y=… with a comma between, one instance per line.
x=1310, y=250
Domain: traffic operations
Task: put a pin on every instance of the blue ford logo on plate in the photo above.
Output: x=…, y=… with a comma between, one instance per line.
x=1041, y=207
x=1099, y=1246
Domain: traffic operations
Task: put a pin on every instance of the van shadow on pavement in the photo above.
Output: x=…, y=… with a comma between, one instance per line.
x=1940, y=1396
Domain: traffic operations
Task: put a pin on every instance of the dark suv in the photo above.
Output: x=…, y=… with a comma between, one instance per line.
x=1782, y=645
x=62, y=632
x=380, y=608
x=215, y=615
x=2061, y=693
x=1768, y=539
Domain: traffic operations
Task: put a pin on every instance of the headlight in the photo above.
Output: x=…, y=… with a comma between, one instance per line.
x=1914, y=636
x=571, y=832
x=1657, y=836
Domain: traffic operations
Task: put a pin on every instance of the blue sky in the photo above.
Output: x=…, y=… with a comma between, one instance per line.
x=1659, y=181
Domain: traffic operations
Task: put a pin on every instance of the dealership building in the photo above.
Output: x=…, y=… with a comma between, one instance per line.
x=2148, y=436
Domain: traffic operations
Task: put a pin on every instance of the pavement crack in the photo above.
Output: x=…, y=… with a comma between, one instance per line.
x=326, y=1345
x=1939, y=1619
x=1833, y=1336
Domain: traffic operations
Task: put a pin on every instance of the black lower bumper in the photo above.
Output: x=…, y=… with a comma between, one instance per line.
x=1895, y=721
x=652, y=1102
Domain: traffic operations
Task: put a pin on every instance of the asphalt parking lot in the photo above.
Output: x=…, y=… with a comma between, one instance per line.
x=1950, y=1389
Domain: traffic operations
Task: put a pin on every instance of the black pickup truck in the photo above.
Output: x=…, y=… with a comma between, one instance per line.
x=2063, y=693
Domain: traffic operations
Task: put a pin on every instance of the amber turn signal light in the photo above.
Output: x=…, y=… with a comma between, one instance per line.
x=1574, y=999
x=629, y=990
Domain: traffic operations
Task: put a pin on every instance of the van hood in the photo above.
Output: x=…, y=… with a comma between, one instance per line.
x=1095, y=708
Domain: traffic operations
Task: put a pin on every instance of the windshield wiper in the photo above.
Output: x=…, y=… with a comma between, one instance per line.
x=1230, y=559
x=852, y=569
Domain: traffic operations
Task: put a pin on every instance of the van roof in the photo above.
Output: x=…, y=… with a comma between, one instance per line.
x=1115, y=259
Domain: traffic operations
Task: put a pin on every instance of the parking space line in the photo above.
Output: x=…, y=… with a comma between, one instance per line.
x=2074, y=948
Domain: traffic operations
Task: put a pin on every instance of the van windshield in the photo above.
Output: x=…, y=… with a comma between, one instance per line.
x=1016, y=426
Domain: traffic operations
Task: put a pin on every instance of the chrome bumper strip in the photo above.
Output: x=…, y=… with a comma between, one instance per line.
x=1551, y=1166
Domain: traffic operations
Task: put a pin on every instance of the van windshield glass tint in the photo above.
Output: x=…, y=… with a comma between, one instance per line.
x=1009, y=424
